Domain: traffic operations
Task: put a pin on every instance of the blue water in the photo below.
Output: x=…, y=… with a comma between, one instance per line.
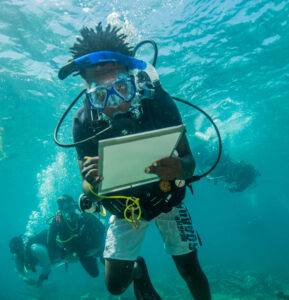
x=230, y=58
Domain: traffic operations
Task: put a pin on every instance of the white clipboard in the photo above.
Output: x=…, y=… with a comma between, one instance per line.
x=122, y=160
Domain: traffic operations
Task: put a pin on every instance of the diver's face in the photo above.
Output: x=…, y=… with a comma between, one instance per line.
x=105, y=75
x=69, y=208
x=69, y=211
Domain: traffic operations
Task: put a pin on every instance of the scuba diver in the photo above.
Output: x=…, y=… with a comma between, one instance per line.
x=237, y=176
x=79, y=235
x=123, y=95
x=29, y=252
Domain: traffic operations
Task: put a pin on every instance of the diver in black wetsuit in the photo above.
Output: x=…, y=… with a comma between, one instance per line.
x=80, y=235
x=114, y=106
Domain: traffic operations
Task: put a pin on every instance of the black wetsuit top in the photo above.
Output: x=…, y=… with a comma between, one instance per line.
x=157, y=113
x=84, y=236
x=85, y=233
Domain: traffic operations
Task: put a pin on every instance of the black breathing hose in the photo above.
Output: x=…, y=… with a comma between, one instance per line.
x=61, y=120
x=153, y=43
x=198, y=177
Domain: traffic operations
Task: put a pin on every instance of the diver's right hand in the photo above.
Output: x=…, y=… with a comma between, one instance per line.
x=90, y=171
x=71, y=258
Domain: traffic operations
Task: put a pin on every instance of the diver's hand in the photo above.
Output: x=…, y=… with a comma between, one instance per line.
x=90, y=171
x=29, y=281
x=72, y=258
x=38, y=283
x=167, y=168
x=42, y=277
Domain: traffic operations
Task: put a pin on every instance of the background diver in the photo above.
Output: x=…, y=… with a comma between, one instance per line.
x=236, y=175
x=30, y=252
x=79, y=235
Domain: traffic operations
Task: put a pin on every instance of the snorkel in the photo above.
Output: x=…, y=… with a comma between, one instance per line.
x=147, y=80
x=100, y=57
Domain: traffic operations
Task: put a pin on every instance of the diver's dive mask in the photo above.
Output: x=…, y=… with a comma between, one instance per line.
x=112, y=95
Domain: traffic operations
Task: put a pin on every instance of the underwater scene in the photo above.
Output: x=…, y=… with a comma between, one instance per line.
x=229, y=61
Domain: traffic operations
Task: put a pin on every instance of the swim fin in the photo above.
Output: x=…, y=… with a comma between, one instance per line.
x=143, y=288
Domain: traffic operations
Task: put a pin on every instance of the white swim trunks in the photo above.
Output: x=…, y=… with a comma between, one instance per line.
x=179, y=236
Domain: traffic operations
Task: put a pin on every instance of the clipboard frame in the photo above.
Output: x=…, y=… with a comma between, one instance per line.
x=128, y=139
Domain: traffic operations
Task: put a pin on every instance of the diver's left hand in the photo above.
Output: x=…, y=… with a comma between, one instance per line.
x=168, y=168
x=38, y=283
x=29, y=281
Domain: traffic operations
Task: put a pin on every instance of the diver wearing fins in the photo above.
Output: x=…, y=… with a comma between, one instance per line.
x=123, y=95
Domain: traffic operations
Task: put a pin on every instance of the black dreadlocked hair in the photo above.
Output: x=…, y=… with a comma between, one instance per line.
x=100, y=39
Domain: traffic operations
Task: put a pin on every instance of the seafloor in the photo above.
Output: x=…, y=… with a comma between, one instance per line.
x=226, y=284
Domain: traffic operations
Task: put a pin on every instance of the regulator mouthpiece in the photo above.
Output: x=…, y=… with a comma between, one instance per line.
x=86, y=205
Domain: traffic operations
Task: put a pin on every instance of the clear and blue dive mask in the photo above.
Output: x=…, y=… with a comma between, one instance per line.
x=122, y=90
